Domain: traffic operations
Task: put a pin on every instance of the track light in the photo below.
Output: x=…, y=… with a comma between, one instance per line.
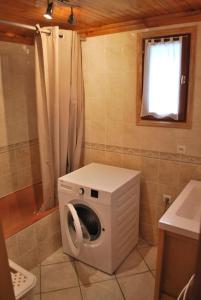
x=72, y=18
x=49, y=11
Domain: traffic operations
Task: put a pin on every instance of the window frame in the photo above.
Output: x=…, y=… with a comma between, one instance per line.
x=166, y=122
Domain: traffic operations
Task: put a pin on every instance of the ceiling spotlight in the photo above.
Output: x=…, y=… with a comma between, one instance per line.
x=49, y=11
x=72, y=18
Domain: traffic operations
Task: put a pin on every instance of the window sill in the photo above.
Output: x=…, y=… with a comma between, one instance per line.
x=167, y=124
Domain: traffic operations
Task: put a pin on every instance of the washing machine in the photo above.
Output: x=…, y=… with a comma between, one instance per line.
x=99, y=214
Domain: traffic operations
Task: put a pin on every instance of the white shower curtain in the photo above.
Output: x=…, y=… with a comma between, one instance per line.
x=60, y=107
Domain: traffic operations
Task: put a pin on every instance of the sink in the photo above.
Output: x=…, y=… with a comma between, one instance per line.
x=184, y=215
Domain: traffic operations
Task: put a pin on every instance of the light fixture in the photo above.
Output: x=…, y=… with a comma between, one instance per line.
x=49, y=11
x=72, y=18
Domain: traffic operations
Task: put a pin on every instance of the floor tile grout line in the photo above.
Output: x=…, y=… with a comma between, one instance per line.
x=57, y=290
x=134, y=274
x=81, y=293
x=76, y=272
x=57, y=263
x=146, y=263
x=124, y=297
x=153, y=274
x=94, y=282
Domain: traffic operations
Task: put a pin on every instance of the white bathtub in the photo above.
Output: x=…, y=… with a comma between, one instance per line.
x=184, y=215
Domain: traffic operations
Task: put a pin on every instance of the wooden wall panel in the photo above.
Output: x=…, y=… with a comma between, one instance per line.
x=101, y=17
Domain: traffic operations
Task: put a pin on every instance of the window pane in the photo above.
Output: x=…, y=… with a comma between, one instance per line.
x=162, y=73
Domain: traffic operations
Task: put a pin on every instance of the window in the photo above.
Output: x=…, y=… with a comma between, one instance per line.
x=165, y=69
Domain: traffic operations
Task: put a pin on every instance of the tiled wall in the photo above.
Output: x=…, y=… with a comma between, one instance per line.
x=33, y=244
x=111, y=134
x=19, y=158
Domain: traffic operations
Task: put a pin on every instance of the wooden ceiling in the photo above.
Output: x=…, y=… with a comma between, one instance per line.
x=98, y=16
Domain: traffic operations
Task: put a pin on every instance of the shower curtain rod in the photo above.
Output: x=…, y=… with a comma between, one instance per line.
x=33, y=28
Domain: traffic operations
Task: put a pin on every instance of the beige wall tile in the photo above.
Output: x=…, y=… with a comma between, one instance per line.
x=149, y=232
x=98, y=156
x=27, y=239
x=87, y=156
x=166, y=189
x=114, y=159
x=150, y=168
x=98, y=132
x=32, y=245
x=132, y=162
x=17, y=117
x=49, y=245
x=149, y=192
x=117, y=78
x=187, y=173
x=115, y=133
x=169, y=172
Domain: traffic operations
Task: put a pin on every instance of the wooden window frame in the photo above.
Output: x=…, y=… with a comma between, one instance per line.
x=166, y=122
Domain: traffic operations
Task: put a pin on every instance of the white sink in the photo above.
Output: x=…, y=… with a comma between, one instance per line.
x=184, y=215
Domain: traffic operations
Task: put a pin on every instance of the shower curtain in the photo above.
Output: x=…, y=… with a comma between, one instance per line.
x=60, y=107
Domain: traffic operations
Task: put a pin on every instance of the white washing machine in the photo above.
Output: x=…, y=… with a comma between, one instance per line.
x=99, y=211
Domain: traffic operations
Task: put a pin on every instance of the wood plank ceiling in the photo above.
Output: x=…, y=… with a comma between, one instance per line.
x=99, y=16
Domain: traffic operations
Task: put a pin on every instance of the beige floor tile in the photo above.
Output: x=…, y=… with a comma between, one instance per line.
x=56, y=257
x=36, y=272
x=133, y=264
x=58, y=276
x=165, y=297
x=139, y=287
x=149, y=254
x=88, y=274
x=31, y=297
x=71, y=294
x=106, y=290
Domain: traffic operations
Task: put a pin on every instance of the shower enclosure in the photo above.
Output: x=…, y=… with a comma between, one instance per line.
x=39, y=86
x=20, y=176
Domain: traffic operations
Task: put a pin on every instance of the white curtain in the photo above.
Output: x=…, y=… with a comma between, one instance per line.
x=60, y=108
x=162, y=74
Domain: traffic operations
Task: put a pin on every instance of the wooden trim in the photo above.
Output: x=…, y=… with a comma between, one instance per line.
x=159, y=264
x=6, y=287
x=196, y=290
x=139, y=82
x=176, y=262
x=158, y=21
x=14, y=38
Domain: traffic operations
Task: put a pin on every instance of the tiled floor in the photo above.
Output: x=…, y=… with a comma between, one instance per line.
x=62, y=278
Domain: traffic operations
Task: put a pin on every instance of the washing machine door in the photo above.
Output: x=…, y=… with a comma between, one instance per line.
x=74, y=230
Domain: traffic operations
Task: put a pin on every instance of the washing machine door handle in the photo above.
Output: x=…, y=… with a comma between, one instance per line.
x=75, y=248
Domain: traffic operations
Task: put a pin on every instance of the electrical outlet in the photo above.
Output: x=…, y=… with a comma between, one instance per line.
x=167, y=199
x=181, y=149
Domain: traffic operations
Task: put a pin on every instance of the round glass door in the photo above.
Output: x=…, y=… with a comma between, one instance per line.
x=74, y=232
x=89, y=221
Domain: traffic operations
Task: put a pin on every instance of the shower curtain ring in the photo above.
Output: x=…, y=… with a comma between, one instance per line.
x=37, y=28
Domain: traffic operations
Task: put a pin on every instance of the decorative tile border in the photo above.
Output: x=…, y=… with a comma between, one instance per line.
x=13, y=147
x=145, y=153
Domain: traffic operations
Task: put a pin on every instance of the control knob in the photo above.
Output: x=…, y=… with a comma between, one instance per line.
x=81, y=191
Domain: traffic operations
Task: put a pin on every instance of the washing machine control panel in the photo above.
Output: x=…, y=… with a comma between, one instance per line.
x=94, y=193
x=88, y=192
x=81, y=191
